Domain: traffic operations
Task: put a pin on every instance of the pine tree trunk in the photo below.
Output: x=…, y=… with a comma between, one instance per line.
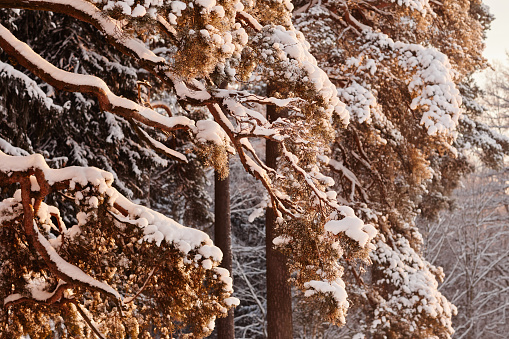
x=223, y=240
x=279, y=294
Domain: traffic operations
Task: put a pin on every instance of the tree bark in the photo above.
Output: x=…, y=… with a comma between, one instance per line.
x=223, y=240
x=279, y=294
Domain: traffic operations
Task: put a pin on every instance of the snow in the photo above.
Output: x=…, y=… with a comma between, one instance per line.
x=177, y=7
x=232, y=301
x=37, y=289
x=6, y=146
x=281, y=240
x=156, y=227
x=31, y=87
x=184, y=92
x=162, y=228
x=138, y=11
x=84, y=81
x=421, y=6
x=353, y=228
x=160, y=146
x=246, y=16
x=292, y=50
x=207, y=4
x=224, y=277
x=70, y=270
x=209, y=130
x=432, y=82
x=115, y=129
x=360, y=102
x=335, y=288
x=338, y=166
x=126, y=9
x=237, y=109
x=112, y=27
x=219, y=11
x=415, y=286
x=9, y=206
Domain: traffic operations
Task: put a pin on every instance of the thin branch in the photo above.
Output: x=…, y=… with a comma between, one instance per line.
x=131, y=299
x=88, y=320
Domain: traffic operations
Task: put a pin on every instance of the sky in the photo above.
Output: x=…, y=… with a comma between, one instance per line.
x=498, y=36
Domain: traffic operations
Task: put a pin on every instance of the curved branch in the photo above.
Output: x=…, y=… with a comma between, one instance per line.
x=54, y=298
x=56, y=264
x=73, y=82
x=160, y=104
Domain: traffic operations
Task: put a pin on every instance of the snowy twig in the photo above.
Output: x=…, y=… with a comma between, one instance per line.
x=55, y=297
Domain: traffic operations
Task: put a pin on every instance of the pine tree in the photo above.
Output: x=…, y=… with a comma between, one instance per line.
x=402, y=68
x=190, y=49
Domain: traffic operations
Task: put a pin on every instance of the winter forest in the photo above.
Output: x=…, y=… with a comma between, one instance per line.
x=252, y=169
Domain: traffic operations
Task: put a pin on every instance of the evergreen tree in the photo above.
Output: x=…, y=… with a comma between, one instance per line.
x=189, y=49
x=402, y=68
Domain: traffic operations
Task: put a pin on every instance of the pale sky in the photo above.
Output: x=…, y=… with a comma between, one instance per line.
x=498, y=36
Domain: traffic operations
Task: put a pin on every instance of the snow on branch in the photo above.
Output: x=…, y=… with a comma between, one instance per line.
x=13, y=168
x=101, y=209
x=88, y=12
x=87, y=84
x=430, y=81
x=206, y=57
x=414, y=287
x=6, y=147
x=39, y=296
x=30, y=85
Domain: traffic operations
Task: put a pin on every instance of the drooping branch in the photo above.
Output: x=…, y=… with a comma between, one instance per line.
x=73, y=82
x=51, y=299
x=160, y=104
x=56, y=264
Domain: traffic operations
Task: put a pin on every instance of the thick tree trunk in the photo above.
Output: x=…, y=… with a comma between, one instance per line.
x=223, y=240
x=279, y=294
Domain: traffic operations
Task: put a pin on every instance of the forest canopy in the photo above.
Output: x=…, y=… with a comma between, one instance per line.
x=111, y=113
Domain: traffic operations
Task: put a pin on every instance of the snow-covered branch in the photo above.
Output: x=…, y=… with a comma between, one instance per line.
x=87, y=84
x=91, y=191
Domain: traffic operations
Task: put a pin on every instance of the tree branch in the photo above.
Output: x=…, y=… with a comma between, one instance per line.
x=73, y=82
x=88, y=320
